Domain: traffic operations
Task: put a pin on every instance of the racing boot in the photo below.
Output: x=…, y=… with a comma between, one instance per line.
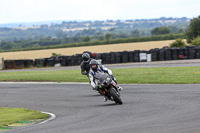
x=105, y=99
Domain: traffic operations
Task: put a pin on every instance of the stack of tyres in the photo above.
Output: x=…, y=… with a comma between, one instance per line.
x=79, y=59
x=155, y=54
x=161, y=56
x=191, y=52
x=174, y=53
x=72, y=60
x=19, y=64
x=9, y=64
x=136, y=55
x=181, y=53
x=39, y=62
x=125, y=57
x=108, y=58
x=149, y=56
x=76, y=60
x=69, y=61
x=113, y=57
x=94, y=55
x=63, y=60
x=58, y=59
x=186, y=52
x=103, y=58
x=198, y=52
x=46, y=62
x=143, y=56
x=168, y=54
x=29, y=63
x=131, y=56
x=51, y=61
x=118, y=57
x=98, y=56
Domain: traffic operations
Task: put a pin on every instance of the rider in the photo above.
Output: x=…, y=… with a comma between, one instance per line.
x=85, y=66
x=97, y=68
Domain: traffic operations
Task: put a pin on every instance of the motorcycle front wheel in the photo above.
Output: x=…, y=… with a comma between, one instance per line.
x=116, y=98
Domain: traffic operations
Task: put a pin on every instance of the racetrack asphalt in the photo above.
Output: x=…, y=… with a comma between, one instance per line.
x=79, y=109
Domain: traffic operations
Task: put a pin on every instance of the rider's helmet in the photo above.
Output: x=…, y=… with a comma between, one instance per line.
x=94, y=65
x=86, y=57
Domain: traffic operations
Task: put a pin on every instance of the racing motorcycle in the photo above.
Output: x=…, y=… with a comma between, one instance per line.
x=108, y=88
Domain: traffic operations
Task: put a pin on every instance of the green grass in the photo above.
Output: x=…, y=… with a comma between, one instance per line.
x=156, y=75
x=18, y=115
x=159, y=75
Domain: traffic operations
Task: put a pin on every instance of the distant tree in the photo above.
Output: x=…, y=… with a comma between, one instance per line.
x=108, y=37
x=178, y=43
x=55, y=54
x=135, y=33
x=5, y=45
x=86, y=39
x=173, y=28
x=196, y=42
x=180, y=31
x=61, y=34
x=160, y=31
x=193, y=30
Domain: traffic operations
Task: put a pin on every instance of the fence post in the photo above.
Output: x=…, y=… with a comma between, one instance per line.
x=2, y=64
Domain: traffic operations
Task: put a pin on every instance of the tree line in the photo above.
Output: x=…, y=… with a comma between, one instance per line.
x=97, y=36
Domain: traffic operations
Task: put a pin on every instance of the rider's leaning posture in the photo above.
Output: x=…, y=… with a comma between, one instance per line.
x=96, y=70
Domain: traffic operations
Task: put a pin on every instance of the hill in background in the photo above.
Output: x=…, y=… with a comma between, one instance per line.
x=40, y=34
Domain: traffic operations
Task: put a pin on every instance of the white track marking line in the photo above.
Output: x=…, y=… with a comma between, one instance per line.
x=53, y=116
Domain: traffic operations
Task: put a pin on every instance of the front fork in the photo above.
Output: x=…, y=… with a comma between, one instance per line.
x=115, y=86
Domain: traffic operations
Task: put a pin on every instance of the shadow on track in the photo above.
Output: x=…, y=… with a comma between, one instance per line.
x=106, y=105
x=94, y=95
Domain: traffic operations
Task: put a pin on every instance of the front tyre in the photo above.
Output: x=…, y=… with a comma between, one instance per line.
x=116, y=98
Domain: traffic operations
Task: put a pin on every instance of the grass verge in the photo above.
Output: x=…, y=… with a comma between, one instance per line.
x=156, y=75
x=10, y=116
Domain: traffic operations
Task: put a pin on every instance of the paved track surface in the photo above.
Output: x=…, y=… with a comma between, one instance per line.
x=146, y=108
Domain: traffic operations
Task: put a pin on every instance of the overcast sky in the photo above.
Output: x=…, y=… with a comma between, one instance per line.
x=12, y=11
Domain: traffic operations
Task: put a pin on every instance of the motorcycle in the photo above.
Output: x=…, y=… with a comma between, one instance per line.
x=108, y=88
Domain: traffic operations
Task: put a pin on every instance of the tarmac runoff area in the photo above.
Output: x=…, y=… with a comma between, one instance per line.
x=79, y=109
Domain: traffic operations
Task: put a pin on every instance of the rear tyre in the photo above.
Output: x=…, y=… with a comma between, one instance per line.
x=116, y=98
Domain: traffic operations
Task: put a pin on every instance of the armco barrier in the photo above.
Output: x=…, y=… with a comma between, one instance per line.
x=163, y=54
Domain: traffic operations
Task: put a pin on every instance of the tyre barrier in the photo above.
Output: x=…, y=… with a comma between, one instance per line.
x=18, y=64
x=191, y=52
x=136, y=56
x=198, y=53
x=168, y=54
x=118, y=57
x=148, y=57
x=156, y=54
x=143, y=56
x=131, y=56
x=107, y=57
x=112, y=57
x=174, y=54
x=124, y=56
x=181, y=53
